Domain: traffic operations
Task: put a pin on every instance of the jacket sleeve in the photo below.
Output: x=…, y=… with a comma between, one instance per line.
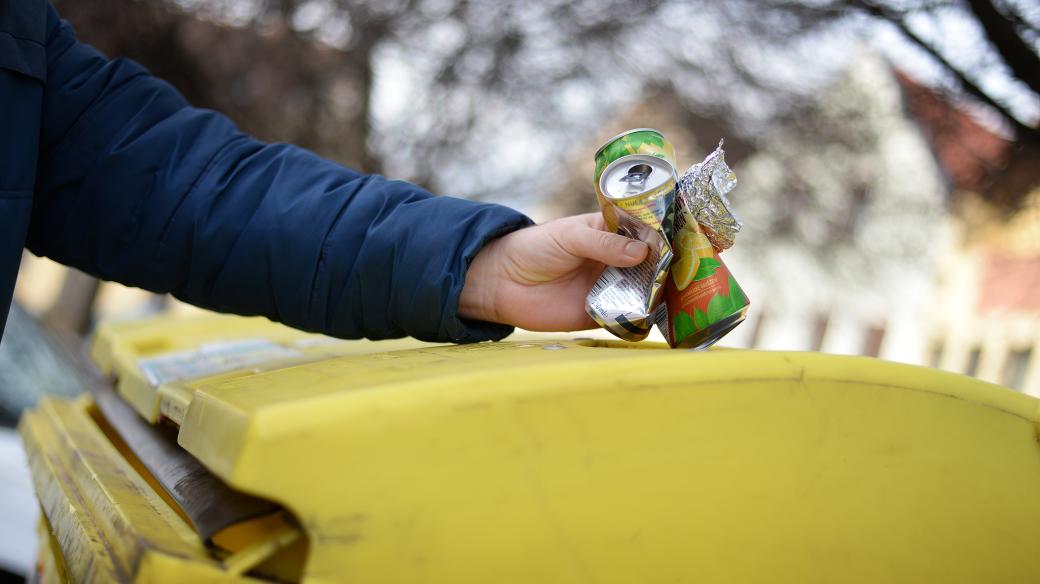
x=136, y=186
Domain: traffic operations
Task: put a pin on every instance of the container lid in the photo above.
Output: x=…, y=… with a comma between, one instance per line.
x=635, y=174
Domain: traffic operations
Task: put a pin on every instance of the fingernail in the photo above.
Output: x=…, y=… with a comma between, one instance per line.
x=635, y=249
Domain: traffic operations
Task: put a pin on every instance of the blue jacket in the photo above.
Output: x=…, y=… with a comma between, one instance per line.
x=106, y=168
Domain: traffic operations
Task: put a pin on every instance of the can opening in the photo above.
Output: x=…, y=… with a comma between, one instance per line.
x=637, y=175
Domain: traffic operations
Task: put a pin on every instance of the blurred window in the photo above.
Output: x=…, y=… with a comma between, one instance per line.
x=819, y=331
x=1015, y=368
x=935, y=354
x=872, y=343
x=973, y=362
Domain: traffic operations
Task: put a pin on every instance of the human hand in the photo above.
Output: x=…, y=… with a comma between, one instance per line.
x=537, y=278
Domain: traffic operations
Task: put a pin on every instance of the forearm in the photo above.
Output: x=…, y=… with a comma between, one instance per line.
x=136, y=186
x=340, y=253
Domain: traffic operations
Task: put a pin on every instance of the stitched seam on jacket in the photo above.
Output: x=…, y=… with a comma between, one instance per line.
x=322, y=262
x=19, y=38
x=16, y=194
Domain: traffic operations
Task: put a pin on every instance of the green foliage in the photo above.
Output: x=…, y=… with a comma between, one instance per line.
x=706, y=268
x=719, y=308
x=700, y=319
x=646, y=138
x=617, y=150
x=736, y=294
x=683, y=325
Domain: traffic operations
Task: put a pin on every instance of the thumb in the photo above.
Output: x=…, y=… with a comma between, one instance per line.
x=604, y=247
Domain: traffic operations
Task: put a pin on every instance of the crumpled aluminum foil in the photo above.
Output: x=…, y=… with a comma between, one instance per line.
x=703, y=189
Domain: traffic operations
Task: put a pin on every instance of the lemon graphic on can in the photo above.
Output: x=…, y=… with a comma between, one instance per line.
x=693, y=247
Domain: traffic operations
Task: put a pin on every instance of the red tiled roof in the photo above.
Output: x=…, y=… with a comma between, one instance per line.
x=1010, y=283
x=970, y=153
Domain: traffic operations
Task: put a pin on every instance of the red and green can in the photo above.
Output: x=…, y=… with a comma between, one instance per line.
x=702, y=300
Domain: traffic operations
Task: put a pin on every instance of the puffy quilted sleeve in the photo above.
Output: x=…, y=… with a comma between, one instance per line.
x=136, y=186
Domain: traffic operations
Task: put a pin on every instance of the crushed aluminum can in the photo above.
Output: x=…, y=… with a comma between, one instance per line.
x=639, y=191
x=702, y=300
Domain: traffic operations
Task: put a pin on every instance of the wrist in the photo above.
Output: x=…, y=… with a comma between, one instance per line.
x=477, y=300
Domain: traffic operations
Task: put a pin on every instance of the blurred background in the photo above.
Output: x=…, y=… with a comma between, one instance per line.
x=888, y=151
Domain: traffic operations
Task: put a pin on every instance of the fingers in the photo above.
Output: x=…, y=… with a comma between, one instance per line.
x=605, y=247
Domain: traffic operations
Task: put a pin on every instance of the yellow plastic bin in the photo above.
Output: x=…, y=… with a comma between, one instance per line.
x=155, y=362
x=576, y=461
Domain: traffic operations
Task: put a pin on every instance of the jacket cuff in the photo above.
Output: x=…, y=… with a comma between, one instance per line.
x=463, y=330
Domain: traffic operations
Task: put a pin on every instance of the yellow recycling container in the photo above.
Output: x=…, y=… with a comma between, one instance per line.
x=549, y=461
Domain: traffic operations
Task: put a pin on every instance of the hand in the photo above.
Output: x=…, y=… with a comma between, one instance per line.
x=537, y=278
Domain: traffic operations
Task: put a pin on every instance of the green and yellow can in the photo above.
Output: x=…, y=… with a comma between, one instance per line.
x=646, y=141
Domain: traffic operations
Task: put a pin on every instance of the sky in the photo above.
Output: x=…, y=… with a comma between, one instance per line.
x=516, y=153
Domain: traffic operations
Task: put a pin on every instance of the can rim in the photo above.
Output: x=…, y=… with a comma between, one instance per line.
x=628, y=159
x=622, y=135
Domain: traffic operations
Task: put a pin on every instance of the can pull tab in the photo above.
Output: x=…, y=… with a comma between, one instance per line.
x=636, y=178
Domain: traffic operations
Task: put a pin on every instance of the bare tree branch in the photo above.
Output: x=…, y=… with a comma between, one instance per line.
x=1014, y=14
x=1000, y=31
x=1021, y=129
